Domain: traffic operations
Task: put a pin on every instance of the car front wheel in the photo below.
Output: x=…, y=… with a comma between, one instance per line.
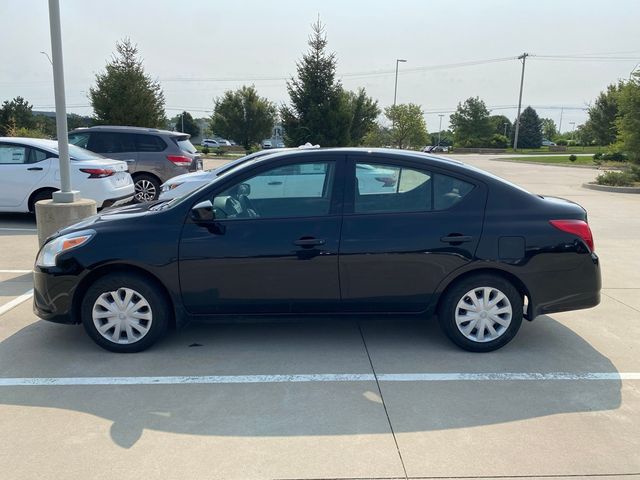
x=125, y=313
x=481, y=313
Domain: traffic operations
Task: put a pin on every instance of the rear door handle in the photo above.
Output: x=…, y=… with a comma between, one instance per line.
x=274, y=183
x=34, y=169
x=456, y=239
x=309, y=242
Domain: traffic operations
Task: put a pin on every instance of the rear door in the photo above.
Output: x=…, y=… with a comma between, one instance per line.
x=116, y=145
x=21, y=170
x=404, y=233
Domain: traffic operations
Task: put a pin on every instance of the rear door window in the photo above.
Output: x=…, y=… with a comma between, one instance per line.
x=148, y=143
x=79, y=139
x=111, y=142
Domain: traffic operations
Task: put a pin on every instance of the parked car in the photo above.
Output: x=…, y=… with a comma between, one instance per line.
x=435, y=149
x=29, y=172
x=154, y=156
x=370, y=179
x=266, y=144
x=215, y=143
x=448, y=238
x=547, y=143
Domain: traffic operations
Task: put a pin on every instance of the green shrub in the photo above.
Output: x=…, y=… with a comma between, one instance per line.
x=205, y=150
x=598, y=156
x=498, y=141
x=634, y=171
x=572, y=157
x=219, y=151
x=615, y=179
x=562, y=142
x=615, y=156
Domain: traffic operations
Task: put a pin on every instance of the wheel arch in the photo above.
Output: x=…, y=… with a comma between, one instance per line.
x=104, y=270
x=31, y=203
x=509, y=276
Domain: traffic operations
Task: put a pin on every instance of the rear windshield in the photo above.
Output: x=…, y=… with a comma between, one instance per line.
x=185, y=145
x=78, y=153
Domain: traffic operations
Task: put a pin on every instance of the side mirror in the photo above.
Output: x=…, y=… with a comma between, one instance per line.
x=203, y=212
x=244, y=189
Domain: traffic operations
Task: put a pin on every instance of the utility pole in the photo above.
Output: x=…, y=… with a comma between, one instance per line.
x=560, y=126
x=440, y=128
x=505, y=128
x=395, y=90
x=522, y=57
x=182, y=119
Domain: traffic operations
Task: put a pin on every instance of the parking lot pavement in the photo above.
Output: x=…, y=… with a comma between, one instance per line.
x=333, y=397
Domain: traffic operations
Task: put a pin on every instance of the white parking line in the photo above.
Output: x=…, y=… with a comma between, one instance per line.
x=15, y=302
x=8, y=229
x=322, y=377
x=16, y=271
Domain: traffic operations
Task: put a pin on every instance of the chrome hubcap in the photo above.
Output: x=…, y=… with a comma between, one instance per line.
x=145, y=191
x=122, y=316
x=483, y=314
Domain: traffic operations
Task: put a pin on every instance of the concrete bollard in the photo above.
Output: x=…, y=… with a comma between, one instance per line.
x=51, y=217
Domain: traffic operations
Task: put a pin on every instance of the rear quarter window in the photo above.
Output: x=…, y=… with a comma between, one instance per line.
x=448, y=191
x=149, y=143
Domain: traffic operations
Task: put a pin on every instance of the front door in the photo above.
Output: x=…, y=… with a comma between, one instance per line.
x=269, y=249
x=21, y=171
x=405, y=229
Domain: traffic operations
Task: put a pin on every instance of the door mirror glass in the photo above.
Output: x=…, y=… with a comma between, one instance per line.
x=203, y=211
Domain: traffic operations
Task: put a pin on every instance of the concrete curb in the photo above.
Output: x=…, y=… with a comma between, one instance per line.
x=610, y=188
x=565, y=165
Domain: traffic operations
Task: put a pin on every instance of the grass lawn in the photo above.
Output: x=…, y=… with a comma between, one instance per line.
x=563, y=160
x=545, y=150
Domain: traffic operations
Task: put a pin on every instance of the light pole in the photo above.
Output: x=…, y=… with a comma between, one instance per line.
x=440, y=127
x=573, y=126
x=395, y=90
x=506, y=124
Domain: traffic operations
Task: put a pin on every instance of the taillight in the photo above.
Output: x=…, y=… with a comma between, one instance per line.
x=576, y=227
x=98, y=172
x=179, y=160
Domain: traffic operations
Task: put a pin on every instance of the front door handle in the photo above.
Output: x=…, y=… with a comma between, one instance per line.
x=32, y=169
x=274, y=183
x=309, y=242
x=451, y=238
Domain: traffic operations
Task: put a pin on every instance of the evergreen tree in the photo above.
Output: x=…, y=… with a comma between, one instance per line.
x=364, y=111
x=185, y=123
x=243, y=116
x=530, y=133
x=124, y=94
x=16, y=114
x=318, y=112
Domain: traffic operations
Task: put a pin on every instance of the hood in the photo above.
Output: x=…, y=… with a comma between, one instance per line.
x=103, y=218
x=192, y=177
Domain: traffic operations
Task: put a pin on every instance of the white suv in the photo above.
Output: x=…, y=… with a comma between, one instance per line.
x=30, y=171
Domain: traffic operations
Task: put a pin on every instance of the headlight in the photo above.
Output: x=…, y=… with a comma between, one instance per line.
x=50, y=251
x=170, y=186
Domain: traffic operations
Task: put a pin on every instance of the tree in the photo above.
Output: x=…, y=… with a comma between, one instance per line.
x=602, y=115
x=408, y=125
x=470, y=123
x=124, y=94
x=549, y=129
x=498, y=125
x=363, y=112
x=16, y=114
x=628, y=122
x=243, y=116
x=378, y=136
x=530, y=132
x=318, y=112
x=185, y=123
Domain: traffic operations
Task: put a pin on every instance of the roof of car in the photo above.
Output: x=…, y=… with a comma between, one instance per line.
x=120, y=128
x=32, y=142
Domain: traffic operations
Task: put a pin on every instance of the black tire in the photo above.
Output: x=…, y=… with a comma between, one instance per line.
x=41, y=195
x=143, y=287
x=458, y=292
x=147, y=188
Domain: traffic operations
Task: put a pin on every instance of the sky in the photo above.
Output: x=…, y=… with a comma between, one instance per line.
x=198, y=49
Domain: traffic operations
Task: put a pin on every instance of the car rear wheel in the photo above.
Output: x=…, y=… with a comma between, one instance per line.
x=481, y=313
x=124, y=313
x=147, y=188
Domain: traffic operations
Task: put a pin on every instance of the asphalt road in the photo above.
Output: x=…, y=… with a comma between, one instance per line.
x=333, y=397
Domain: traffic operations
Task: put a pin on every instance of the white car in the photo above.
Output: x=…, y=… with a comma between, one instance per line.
x=215, y=143
x=30, y=172
x=280, y=181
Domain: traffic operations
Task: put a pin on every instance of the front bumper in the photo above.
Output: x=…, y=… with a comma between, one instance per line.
x=53, y=296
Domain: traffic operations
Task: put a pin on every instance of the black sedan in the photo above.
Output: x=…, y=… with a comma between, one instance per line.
x=325, y=232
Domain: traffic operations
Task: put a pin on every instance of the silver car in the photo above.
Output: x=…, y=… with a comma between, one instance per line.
x=154, y=156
